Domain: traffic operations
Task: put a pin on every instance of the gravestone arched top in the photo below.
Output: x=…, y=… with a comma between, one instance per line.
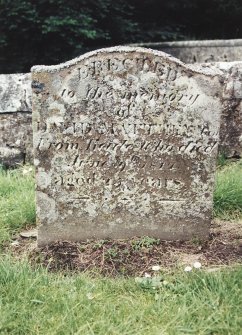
x=121, y=50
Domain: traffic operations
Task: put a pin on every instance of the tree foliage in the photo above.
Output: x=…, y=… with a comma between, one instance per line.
x=51, y=31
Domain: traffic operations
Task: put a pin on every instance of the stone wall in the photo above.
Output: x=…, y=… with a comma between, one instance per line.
x=200, y=51
x=15, y=119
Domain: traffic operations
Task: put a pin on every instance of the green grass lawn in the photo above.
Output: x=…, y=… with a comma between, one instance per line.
x=228, y=191
x=33, y=301
x=17, y=208
x=36, y=302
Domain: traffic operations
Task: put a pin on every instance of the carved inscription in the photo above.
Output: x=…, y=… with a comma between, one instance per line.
x=123, y=141
x=116, y=65
x=165, y=128
x=144, y=93
x=158, y=146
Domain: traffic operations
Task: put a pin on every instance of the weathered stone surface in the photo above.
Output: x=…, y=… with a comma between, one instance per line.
x=16, y=143
x=125, y=142
x=200, y=51
x=15, y=119
x=15, y=93
x=230, y=141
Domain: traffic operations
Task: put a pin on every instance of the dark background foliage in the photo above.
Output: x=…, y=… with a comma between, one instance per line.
x=52, y=31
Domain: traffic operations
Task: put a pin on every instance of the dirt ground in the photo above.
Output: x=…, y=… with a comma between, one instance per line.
x=134, y=256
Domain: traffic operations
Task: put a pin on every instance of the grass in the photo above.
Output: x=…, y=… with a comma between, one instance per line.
x=17, y=207
x=36, y=302
x=228, y=191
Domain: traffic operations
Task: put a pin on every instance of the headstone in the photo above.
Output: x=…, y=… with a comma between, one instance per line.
x=125, y=143
x=16, y=144
x=15, y=93
x=200, y=51
x=230, y=142
x=15, y=119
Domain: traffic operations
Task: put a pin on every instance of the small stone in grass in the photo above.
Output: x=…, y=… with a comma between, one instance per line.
x=155, y=268
x=29, y=233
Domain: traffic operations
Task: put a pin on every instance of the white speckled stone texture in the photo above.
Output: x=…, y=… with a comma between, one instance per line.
x=125, y=143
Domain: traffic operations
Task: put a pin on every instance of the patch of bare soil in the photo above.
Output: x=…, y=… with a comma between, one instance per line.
x=134, y=256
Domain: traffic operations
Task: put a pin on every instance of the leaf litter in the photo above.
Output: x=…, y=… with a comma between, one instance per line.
x=135, y=256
